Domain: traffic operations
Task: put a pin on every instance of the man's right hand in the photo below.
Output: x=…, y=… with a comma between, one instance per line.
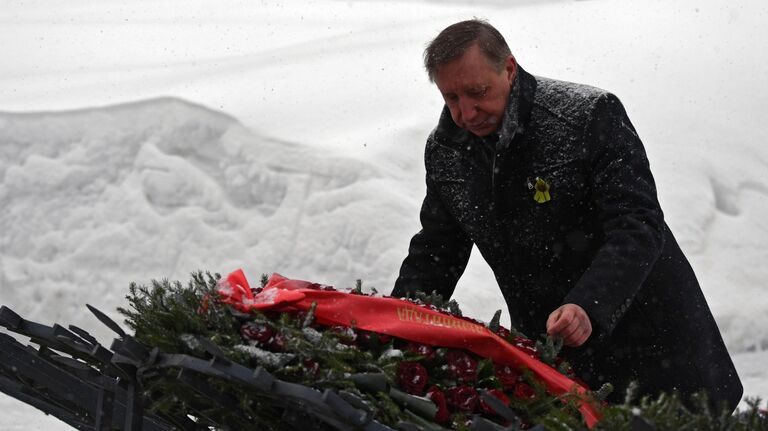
x=570, y=322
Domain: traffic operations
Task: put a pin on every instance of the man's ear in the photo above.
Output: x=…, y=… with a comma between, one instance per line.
x=511, y=68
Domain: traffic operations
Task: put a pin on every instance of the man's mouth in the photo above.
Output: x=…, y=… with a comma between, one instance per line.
x=482, y=124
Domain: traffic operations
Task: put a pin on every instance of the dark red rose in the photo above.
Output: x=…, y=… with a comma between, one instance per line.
x=366, y=339
x=527, y=346
x=503, y=332
x=258, y=332
x=276, y=343
x=522, y=341
x=498, y=393
x=428, y=352
x=524, y=391
x=506, y=375
x=311, y=366
x=438, y=397
x=462, y=366
x=462, y=398
x=412, y=377
x=346, y=336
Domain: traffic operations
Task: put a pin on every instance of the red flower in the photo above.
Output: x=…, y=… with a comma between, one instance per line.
x=522, y=341
x=503, y=332
x=277, y=343
x=366, y=339
x=507, y=376
x=412, y=377
x=311, y=366
x=462, y=398
x=498, y=394
x=346, y=336
x=462, y=366
x=258, y=332
x=421, y=349
x=524, y=391
x=438, y=397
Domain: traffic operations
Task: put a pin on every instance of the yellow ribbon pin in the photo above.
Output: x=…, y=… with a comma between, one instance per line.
x=542, y=191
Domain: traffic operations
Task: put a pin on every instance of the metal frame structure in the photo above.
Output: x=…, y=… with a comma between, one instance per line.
x=71, y=376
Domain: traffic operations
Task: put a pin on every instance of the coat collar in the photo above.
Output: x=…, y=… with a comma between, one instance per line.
x=519, y=106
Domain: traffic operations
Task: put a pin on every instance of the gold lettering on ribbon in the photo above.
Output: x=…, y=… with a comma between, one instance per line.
x=401, y=314
x=408, y=314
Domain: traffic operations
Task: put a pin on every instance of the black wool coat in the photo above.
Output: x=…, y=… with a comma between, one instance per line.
x=600, y=241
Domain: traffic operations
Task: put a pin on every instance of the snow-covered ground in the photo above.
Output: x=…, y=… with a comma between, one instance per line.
x=145, y=139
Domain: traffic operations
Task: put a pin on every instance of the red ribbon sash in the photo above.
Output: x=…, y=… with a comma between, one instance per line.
x=397, y=318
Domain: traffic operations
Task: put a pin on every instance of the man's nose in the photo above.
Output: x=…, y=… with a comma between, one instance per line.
x=468, y=110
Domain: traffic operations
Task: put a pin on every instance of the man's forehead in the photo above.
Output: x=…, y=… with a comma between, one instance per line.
x=462, y=81
x=472, y=66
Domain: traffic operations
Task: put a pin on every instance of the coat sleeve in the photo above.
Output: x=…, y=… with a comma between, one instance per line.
x=624, y=195
x=438, y=254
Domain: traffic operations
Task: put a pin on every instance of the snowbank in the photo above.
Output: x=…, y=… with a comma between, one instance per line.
x=97, y=198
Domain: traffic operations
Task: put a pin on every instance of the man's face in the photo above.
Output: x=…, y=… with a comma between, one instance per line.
x=475, y=92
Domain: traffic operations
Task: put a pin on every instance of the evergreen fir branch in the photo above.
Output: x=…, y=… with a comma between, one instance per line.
x=549, y=349
x=173, y=317
x=495, y=321
x=358, y=289
x=435, y=300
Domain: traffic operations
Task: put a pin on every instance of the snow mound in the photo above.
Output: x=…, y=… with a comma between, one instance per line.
x=96, y=198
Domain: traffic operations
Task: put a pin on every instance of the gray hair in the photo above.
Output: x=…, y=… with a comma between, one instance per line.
x=457, y=38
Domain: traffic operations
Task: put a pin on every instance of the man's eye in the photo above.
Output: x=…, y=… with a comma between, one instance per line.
x=478, y=93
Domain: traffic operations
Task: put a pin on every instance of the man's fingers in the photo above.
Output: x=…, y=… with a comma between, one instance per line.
x=576, y=338
x=562, y=320
x=572, y=330
x=553, y=317
x=573, y=334
x=571, y=323
x=580, y=339
x=580, y=336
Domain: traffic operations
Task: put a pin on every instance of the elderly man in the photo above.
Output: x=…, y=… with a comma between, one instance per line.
x=551, y=183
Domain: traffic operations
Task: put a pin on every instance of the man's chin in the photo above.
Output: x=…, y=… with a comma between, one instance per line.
x=482, y=131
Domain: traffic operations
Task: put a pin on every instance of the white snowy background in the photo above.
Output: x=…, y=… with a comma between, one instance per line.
x=144, y=140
